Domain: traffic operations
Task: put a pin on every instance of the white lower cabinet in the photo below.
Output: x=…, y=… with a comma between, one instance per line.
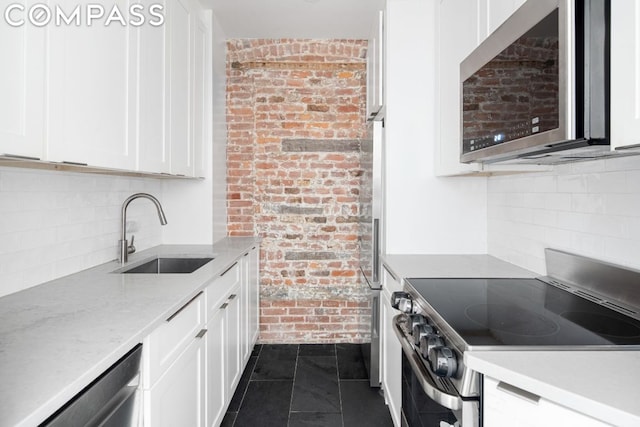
x=391, y=350
x=173, y=369
x=193, y=362
x=508, y=406
x=216, y=359
x=234, y=363
x=254, y=296
x=249, y=303
x=177, y=399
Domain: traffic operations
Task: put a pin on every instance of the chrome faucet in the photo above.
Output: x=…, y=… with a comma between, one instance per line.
x=125, y=249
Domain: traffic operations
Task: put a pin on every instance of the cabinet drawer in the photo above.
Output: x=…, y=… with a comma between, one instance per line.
x=218, y=290
x=389, y=282
x=164, y=345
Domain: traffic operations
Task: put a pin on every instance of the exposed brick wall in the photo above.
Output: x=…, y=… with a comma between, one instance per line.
x=295, y=112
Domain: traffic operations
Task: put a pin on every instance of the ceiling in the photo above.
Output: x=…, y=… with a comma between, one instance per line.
x=314, y=19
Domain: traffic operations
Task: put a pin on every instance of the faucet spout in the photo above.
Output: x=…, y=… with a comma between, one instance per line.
x=124, y=245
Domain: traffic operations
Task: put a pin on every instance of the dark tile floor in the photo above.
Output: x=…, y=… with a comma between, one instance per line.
x=319, y=385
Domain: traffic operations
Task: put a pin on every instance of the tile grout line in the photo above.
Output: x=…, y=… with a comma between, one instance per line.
x=335, y=346
x=293, y=384
x=247, y=387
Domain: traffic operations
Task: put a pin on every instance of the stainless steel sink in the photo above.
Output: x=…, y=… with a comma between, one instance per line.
x=168, y=266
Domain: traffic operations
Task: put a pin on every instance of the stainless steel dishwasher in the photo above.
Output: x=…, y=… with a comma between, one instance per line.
x=111, y=400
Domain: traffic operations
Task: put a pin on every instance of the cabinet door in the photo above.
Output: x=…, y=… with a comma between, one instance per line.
x=254, y=295
x=391, y=349
x=505, y=405
x=375, y=67
x=245, y=349
x=152, y=101
x=458, y=35
x=201, y=93
x=177, y=399
x=92, y=74
x=180, y=21
x=216, y=384
x=625, y=69
x=233, y=359
x=494, y=12
x=22, y=86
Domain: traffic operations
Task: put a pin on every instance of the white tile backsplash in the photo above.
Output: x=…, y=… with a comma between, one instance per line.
x=589, y=208
x=56, y=223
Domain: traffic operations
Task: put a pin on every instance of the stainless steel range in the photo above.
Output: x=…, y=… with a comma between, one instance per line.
x=582, y=304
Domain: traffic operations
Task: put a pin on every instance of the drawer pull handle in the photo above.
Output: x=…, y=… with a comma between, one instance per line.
x=518, y=392
x=201, y=333
x=223, y=306
x=183, y=307
x=232, y=296
x=227, y=270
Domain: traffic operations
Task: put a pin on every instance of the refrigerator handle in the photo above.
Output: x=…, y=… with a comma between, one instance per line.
x=376, y=250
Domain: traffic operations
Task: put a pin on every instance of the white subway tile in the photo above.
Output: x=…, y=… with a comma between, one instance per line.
x=57, y=223
x=623, y=163
x=587, y=167
x=588, y=203
x=572, y=184
x=623, y=251
x=557, y=201
x=608, y=182
x=623, y=204
x=588, y=244
x=545, y=184
x=545, y=217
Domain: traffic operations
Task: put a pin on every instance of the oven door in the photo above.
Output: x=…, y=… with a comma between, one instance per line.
x=429, y=401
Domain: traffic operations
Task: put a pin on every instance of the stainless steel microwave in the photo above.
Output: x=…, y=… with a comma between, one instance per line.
x=538, y=87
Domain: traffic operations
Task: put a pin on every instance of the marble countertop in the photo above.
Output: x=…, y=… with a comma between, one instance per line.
x=439, y=266
x=601, y=384
x=57, y=337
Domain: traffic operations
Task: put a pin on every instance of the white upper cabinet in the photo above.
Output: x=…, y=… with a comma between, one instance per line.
x=111, y=91
x=22, y=87
x=181, y=22
x=496, y=12
x=201, y=91
x=625, y=75
x=92, y=70
x=375, y=67
x=457, y=36
x=151, y=79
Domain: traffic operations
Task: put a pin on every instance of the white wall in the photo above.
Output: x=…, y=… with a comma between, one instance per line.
x=425, y=214
x=590, y=208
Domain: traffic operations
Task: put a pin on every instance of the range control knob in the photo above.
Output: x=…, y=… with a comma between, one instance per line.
x=443, y=361
x=414, y=320
x=428, y=342
x=421, y=330
x=402, y=301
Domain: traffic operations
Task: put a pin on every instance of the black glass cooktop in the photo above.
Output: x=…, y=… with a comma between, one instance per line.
x=524, y=312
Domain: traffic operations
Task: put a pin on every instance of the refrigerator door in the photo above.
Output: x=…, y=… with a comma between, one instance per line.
x=371, y=224
x=371, y=232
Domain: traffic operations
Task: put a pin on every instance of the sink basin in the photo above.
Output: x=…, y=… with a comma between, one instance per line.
x=168, y=266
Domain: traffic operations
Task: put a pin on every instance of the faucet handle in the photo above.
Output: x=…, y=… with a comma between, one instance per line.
x=131, y=249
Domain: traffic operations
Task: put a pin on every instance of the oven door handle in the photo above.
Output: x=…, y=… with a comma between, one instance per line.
x=448, y=400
